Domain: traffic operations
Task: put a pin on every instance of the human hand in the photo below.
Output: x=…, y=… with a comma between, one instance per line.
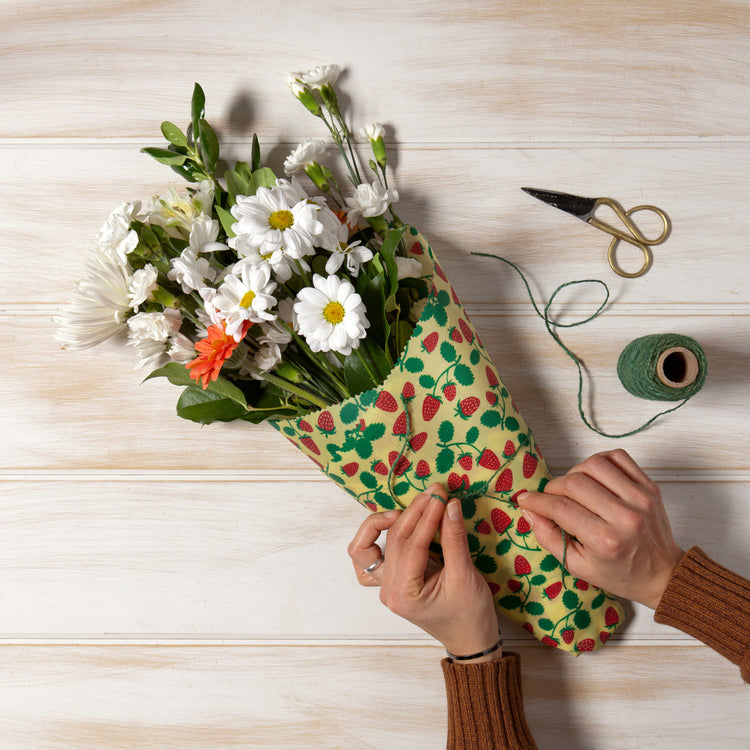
x=618, y=534
x=451, y=602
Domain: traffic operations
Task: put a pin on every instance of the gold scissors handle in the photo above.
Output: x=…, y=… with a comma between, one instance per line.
x=635, y=238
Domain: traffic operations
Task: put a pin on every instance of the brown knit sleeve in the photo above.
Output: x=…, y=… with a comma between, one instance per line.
x=485, y=705
x=709, y=602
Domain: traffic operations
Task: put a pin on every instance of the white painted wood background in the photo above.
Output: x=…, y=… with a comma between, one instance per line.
x=167, y=586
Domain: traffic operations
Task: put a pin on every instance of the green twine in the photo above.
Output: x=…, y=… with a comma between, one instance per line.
x=631, y=365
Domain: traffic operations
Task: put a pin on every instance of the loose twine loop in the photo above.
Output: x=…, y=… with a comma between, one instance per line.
x=643, y=368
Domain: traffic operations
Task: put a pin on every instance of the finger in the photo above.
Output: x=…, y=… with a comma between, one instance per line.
x=367, y=579
x=567, y=514
x=454, y=542
x=582, y=490
x=623, y=460
x=416, y=551
x=619, y=473
x=363, y=549
x=409, y=519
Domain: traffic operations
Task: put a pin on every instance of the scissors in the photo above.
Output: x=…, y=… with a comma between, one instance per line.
x=584, y=209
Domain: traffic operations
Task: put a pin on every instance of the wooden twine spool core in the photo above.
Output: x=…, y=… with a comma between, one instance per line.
x=677, y=367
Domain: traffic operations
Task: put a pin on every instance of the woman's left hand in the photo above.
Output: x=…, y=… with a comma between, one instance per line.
x=452, y=603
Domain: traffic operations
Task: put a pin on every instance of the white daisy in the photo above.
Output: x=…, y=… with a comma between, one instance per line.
x=331, y=315
x=268, y=221
x=204, y=234
x=245, y=295
x=99, y=307
x=309, y=150
x=281, y=264
x=370, y=199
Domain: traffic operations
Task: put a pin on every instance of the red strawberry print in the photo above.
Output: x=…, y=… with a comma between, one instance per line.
x=553, y=589
x=370, y=505
x=430, y=341
x=466, y=462
x=604, y=636
x=430, y=405
x=416, y=249
x=402, y=465
x=309, y=443
x=466, y=330
x=514, y=497
x=439, y=272
x=611, y=617
x=489, y=460
x=450, y=391
x=418, y=441
x=386, y=401
x=522, y=527
x=514, y=585
x=423, y=469
x=305, y=425
x=399, y=426
x=456, y=336
x=509, y=449
x=504, y=481
x=529, y=465
x=491, y=376
x=494, y=587
x=568, y=635
x=408, y=391
x=491, y=398
x=380, y=468
x=550, y=642
x=521, y=566
x=456, y=482
x=467, y=406
x=350, y=469
x=587, y=644
x=500, y=520
x=483, y=527
x=455, y=296
x=325, y=422
x=362, y=425
x=582, y=585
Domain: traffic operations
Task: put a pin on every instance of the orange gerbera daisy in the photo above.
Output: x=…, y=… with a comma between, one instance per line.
x=213, y=351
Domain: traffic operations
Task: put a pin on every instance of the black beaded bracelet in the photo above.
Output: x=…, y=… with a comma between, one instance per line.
x=487, y=651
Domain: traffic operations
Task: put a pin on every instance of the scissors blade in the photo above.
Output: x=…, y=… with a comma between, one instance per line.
x=582, y=208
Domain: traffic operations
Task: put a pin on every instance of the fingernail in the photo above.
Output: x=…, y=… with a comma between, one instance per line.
x=455, y=512
x=437, y=497
x=529, y=518
x=521, y=495
x=391, y=513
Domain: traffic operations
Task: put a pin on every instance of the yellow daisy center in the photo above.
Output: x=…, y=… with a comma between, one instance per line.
x=333, y=312
x=247, y=298
x=281, y=219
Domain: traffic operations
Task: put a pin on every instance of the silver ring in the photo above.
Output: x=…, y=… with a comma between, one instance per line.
x=375, y=565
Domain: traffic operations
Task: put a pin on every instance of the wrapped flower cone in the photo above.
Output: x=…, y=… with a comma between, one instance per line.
x=443, y=414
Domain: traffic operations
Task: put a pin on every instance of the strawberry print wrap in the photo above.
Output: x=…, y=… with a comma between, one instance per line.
x=443, y=414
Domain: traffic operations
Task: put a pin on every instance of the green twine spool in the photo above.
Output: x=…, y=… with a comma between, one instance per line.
x=663, y=367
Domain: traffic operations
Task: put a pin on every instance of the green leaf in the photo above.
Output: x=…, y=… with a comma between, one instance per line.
x=485, y=564
x=197, y=108
x=447, y=351
x=165, y=156
x=387, y=253
x=173, y=134
x=474, y=357
x=374, y=431
x=356, y=377
x=378, y=357
x=490, y=418
x=226, y=220
x=538, y=580
x=236, y=185
x=582, y=619
x=178, y=374
x=369, y=480
x=262, y=177
x=463, y=374
x=349, y=413
x=549, y=563
x=474, y=544
x=446, y=431
x=205, y=407
x=503, y=546
x=401, y=488
x=445, y=460
x=597, y=601
x=546, y=624
x=426, y=381
x=384, y=500
x=510, y=602
x=363, y=448
x=414, y=365
x=570, y=599
x=511, y=423
x=472, y=434
x=255, y=154
x=535, y=608
x=468, y=508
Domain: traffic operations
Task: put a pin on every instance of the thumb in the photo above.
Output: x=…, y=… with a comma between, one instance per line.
x=453, y=539
x=547, y=532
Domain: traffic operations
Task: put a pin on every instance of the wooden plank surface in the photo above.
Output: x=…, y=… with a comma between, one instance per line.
x=170, y=586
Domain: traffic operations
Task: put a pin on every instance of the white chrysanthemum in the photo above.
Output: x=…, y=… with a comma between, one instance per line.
x=116, y=236
x=204, y=235
x=190, y=271
x=181, y=348
x=142, y=284
x=371, y=132
x=268, y=221
x=175, y=210
x=370, y=199
x=309, y=150
x=320, y=75
x=245, y=295
x=149, y=334
x=408, y=268
x=331, y=315
x=99, y=307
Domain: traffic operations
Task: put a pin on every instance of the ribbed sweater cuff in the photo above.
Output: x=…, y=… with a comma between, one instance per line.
x=711, y=603
x=485, y=705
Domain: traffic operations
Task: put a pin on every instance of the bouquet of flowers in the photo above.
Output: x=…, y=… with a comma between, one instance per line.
x=318, y=310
